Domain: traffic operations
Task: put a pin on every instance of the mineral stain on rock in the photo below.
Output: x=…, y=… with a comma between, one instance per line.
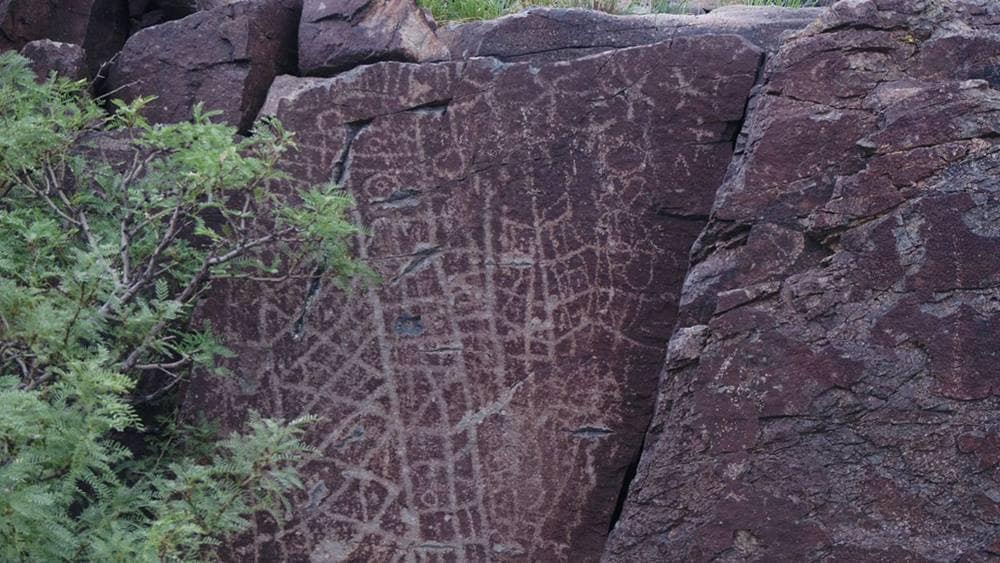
x=408, y=325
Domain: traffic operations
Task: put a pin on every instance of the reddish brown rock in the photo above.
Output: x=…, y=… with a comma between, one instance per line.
x=65, y=59
x=99, y=26
x=531, y=224
x=699, y=6
x=336, y=35
x=559, y=34
x=225, y=58
x=840, y=400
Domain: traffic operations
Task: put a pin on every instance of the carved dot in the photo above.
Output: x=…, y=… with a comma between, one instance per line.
x=429, y=498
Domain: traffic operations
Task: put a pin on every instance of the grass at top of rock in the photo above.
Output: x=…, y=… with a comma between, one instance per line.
x=780, y=3
x=468, y=10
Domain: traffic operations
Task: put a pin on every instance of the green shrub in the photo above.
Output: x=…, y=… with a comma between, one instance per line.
x=103, y=255
x=464, y=10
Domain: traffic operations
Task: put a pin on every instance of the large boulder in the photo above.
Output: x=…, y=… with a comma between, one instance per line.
x=558, y=34
x=99, y=26
x=832, y=389
x=225, y=57
x=531, y=225
x=336, y=35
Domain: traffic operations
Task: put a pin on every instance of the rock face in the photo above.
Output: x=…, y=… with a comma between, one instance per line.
x=224, y=57
x=832, y=389
x=531, y=224
x=339, y=34
x=559, y=34
x=701, y=6
x=99, y=26
x=545, y=211
x=65, y=59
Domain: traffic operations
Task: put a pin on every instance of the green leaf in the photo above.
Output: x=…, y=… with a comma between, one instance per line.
x=104, y=257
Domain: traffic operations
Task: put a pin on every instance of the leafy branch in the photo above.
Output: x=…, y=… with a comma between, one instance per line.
x=112, y=230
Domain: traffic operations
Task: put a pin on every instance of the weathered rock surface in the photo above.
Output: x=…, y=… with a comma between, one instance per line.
x=46, y=56
x=224, y=57
x=702, y=6
x=560, y=34
x=99, y=26
x=832, y=392
x=531, y=224
x=336, y=35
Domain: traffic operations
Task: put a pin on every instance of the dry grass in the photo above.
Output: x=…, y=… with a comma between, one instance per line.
x=465, y=10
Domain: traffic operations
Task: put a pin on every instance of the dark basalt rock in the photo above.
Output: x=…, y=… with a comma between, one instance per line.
x=336, y=35
x=99, y=26
x=560, y=34
x=65, y=59
x=832, y=392
x=531, y=224
x=224, y=57
x=703, y=6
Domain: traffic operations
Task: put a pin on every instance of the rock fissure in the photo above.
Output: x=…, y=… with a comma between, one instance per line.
x=313, y=289
x=341, y=166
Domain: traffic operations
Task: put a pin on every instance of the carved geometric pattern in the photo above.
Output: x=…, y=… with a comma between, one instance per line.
x=531, y=225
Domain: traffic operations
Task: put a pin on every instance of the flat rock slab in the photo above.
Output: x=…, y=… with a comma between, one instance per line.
x=531, y=225
x=546, y=34
x=833, y=391
x=225, y=57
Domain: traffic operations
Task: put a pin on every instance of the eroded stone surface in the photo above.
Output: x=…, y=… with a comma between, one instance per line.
x=336, y=35
x=531, y=224
x=560, y=34
x=701, y=6
x=842, y=403
x=225, y=57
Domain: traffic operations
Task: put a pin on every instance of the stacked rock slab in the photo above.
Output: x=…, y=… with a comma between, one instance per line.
x=556, y=34
x=832, y=392
x=98, y=26
x=224, y=57
x=531, y=225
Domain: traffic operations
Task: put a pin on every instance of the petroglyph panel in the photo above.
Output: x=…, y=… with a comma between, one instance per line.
x=531, y=225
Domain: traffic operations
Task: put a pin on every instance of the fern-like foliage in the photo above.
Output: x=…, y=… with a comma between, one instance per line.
x=104, y=253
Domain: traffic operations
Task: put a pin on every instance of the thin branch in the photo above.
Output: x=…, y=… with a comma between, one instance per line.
x=51, y=203
x=175, y=379
x=165, y=366
x=216, y=260
x=195, y=285
x=123, y=251
x=76, y=314
x=192, y=289
x=244, y=214
x=143, y=279
x=85, y=227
